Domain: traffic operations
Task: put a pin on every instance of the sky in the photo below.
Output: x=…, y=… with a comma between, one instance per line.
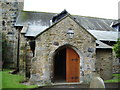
x=93, y=8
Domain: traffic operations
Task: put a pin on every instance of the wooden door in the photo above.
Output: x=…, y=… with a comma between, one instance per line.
x=72, y=66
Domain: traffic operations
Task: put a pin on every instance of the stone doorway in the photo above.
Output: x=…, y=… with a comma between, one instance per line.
x=66, y=65
x=60, y=66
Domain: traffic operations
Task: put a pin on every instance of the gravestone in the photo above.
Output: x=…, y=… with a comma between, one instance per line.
x=97, y=82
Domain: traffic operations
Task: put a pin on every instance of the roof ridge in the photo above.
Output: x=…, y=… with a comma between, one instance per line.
x=38, y=12
x=94, y=17
x=71, y=14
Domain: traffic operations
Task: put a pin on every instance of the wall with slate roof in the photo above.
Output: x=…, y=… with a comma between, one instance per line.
x=44, y=45
x=83, y=42
x=41, y=21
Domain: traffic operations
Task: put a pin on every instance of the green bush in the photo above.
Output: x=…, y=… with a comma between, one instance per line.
x=116, y=48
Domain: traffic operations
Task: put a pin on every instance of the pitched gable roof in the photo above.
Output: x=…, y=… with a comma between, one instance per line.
x=67, y=15
x=102, y=45
x=105, y=35
x=34, y=18
x=43, y=18
x=39, y=21
x=91, y=23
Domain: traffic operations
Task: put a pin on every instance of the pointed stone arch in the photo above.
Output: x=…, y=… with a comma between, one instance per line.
x=60, y=50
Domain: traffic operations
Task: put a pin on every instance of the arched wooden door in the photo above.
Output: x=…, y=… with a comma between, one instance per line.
x=66, y=65
x=72, y=66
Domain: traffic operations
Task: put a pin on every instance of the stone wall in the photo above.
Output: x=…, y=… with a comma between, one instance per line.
x=82, y=42
x=9, y=51
x=22, y=54
x=104, y=59
x=116, y=65
x=25, y=56
x=9, y=11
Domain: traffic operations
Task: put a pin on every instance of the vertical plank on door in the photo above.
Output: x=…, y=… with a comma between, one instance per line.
x=72, y=66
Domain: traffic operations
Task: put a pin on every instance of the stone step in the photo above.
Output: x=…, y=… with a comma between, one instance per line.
x=112, y=85
x=107, y=85
x=69, y=86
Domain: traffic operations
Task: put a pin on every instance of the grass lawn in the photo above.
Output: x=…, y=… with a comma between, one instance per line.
x=12, y=81
x=116, y=79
